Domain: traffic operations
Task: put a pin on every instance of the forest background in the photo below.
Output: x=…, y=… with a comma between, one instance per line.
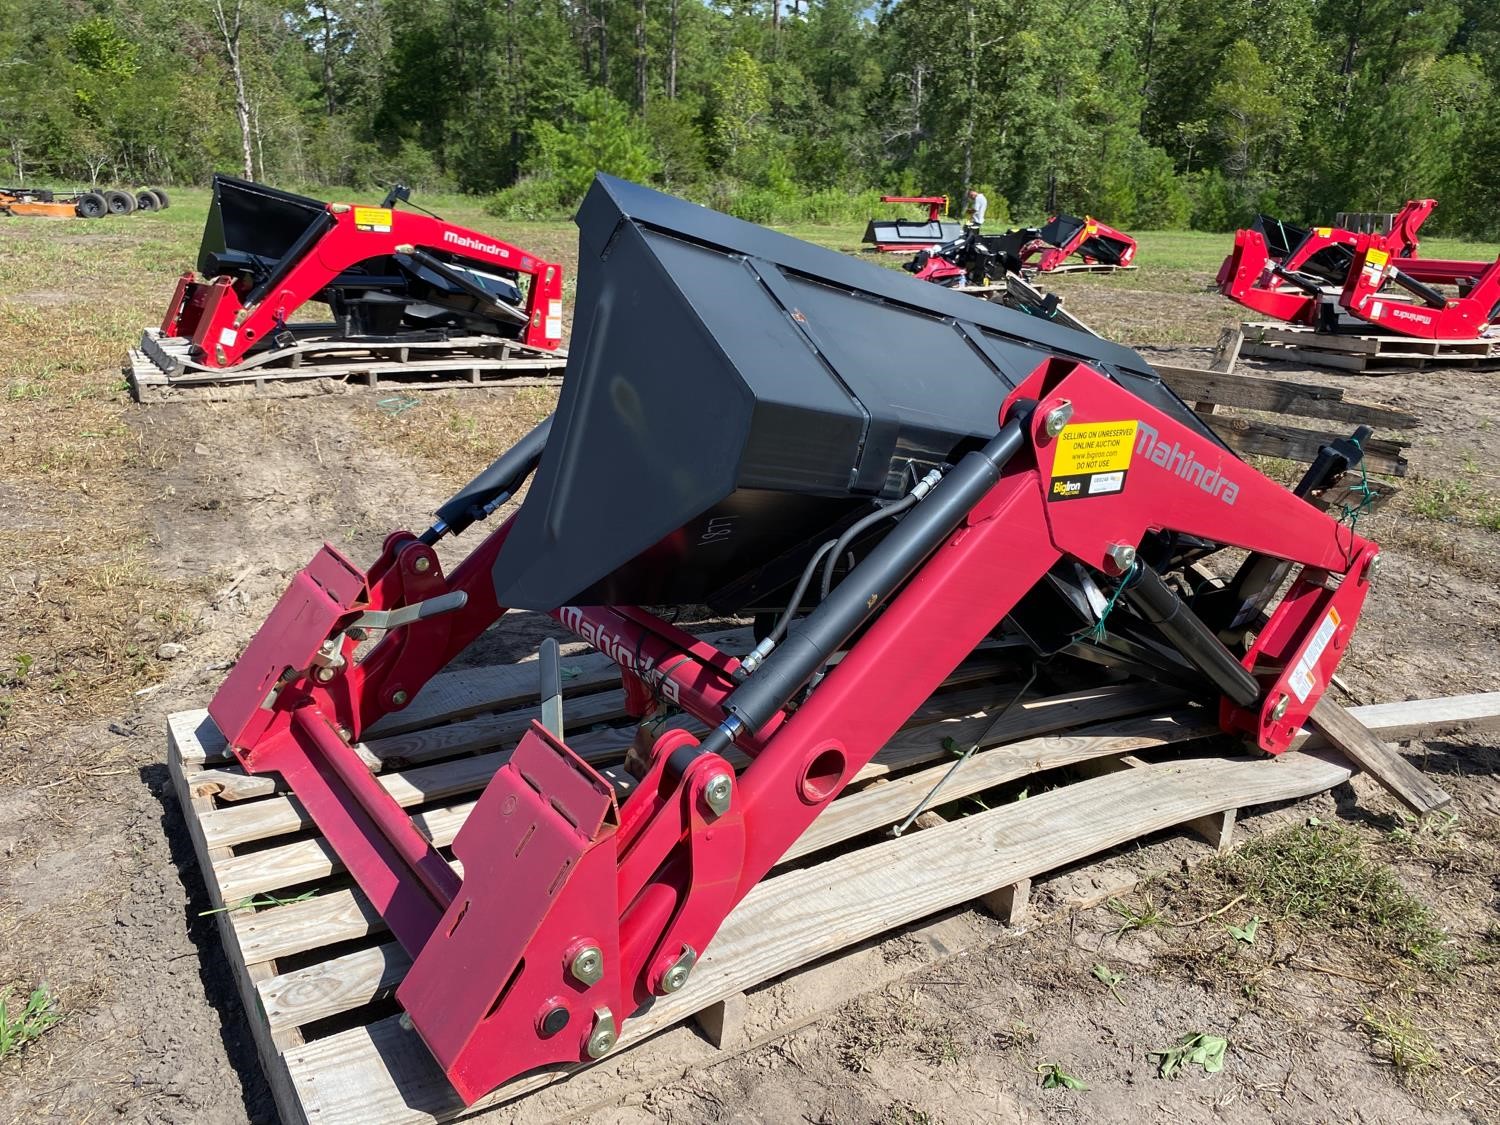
x=1156, y=114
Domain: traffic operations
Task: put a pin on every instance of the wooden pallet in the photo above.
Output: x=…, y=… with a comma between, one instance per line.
x=1369, y=355
x=316, y=974
x=1085, y=267
x=161, y=368
x=1240, y=408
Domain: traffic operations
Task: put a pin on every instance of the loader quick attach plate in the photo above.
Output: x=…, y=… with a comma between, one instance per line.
x=539, y=862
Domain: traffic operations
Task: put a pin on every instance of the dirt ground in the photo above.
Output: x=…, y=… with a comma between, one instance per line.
x=145, y=545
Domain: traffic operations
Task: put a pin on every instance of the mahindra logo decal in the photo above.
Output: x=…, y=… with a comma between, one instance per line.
x=1185, y=464
x=475, y=244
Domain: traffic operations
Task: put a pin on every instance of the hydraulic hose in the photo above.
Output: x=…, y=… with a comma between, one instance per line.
x=890, y=563
x=492, y=487
x=857, y=528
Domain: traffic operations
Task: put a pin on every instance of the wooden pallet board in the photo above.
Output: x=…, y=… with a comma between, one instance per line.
x=1211, y=392
x=161, y=369
x=1085, y=267
x=316, y=974
x=1365, y=354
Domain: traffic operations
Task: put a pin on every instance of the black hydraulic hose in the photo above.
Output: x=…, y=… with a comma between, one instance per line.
x=1154, y=601
x=858, y=528
x=800, y=592
x=493, y=487
x=825, y=630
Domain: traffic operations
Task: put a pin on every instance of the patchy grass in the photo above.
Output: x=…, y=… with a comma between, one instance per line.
x=1452, y=501
x=21, y=1025
x=1321, y=877
x=1408, y=1048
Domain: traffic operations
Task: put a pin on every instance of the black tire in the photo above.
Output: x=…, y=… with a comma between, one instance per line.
x=120, y=202
x=92, y=205
x=162, y=196
x=147, y=201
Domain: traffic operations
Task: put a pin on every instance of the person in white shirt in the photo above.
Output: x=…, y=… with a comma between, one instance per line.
x=977, y=207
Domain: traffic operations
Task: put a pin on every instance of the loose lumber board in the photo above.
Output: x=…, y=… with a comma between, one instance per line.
x=1406, y=783
x=364, y=974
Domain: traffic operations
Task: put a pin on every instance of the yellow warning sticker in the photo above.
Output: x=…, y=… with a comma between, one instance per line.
x=1092, y=459
x=1324, y=231
x=373, y=218
x=1377, y=258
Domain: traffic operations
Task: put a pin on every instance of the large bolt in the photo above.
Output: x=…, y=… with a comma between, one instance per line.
x=1372, y=569
x=1122, y=555
x=718, y=792
x=324, y=675
x=1279, y=710
x=423, y=564
x=604, y=1036
x=399, y=698
x=587, y=966
x=677, y=976
x=1057, y=418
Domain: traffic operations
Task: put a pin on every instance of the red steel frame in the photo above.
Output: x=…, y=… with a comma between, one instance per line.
x=554, y=866
x=223, y=330
x=937, y=205
x=1051, y=257
x=1251, y=276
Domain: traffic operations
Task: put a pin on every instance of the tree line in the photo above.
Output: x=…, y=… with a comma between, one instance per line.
x=1147, y=113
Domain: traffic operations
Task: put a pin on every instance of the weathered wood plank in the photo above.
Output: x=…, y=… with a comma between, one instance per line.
x=1253, y=392
x=1408, y=784
x=1271, y=439
x=315, y=992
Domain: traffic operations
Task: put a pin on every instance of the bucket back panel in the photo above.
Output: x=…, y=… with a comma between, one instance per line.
x=732, y=393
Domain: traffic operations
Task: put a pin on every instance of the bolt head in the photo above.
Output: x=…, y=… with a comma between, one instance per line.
x=422, y=565
x=674, y=978
x=601, y=1043
x=1122, y=555
x=399, y=698
x=718, y=793
x=1057, y=418
x=324, y=675
x=1279, y=710
x=1372, y=569
x=588, y=965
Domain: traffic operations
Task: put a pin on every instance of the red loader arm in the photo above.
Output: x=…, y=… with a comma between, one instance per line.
x=226, y=318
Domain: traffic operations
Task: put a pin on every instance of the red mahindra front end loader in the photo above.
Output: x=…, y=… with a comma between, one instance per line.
x=391, y=279
x=886, y=476
x=1343, y=281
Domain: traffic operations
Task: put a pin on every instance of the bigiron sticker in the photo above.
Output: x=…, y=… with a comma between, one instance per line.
x=1093, y=459
x=377, y=219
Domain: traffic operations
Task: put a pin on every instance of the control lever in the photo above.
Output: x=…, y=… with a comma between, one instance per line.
x=405, y=615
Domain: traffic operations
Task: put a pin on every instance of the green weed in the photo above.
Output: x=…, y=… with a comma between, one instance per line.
x=19, y=1028
x=1054, y=1077
x=1410, y=1051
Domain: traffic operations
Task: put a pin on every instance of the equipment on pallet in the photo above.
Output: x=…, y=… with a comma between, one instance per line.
x=1099, y=246
x=973, y=258
x=92, y=204
x=903, y=235
x=392, y=278
x=887, y=477
x=1341, y=281
x=977, y=259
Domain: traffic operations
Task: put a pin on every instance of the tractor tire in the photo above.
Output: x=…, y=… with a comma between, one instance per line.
x=92, y=205
x=147, y=201
x=120, y=202
x=162, y=196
